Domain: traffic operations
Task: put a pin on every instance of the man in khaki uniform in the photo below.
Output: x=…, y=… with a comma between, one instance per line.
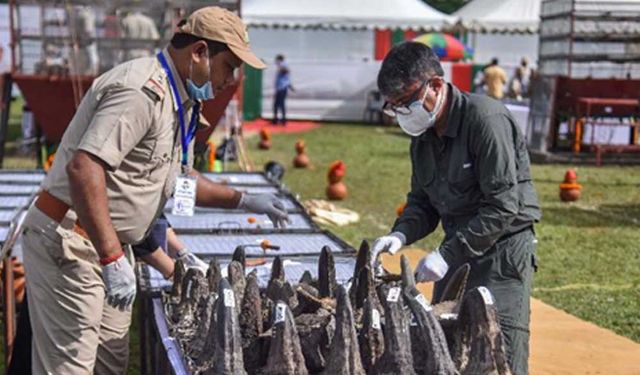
x=116, y=166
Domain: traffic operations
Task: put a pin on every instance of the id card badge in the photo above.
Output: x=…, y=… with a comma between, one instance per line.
x=184, y=197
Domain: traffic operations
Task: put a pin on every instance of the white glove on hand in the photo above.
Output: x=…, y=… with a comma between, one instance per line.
x=267, y=204
x=120, y=283
x=190, y=260
x=432, y=267
x=390, y=243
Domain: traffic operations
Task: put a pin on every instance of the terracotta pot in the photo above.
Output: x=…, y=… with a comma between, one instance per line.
x=264, y=144
x=301, y=161
x=570, y=195
x=337, y=191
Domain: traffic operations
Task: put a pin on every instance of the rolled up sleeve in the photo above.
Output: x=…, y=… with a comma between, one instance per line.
x=122, y=117
x=494, y=153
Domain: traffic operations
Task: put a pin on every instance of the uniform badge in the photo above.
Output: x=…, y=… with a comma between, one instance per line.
x=154, y=87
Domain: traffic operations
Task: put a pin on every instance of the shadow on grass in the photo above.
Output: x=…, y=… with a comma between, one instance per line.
x=607, y=215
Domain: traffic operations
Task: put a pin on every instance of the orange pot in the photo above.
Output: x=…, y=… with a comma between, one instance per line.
x=337, y=191
x=570, y=195
x=570, y=192
x=264, y=144
x=301, y=161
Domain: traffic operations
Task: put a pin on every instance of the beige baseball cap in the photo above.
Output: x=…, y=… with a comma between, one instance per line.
x=222, y=25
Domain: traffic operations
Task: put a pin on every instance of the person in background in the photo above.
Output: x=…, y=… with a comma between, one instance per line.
x=495, y=78
x=139, y=28
x=162, y=247
x=83, y=59
x=283, y=84
x=524, y=72
x=515, y=86
x=173, y=14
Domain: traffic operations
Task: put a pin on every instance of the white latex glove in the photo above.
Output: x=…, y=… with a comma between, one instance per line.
x=432, y=267
x=190, y=260
x=391, y=243
x=119, y=282
x=267, y=204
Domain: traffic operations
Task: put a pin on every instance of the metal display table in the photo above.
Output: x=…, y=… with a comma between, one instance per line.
x=234, y=221
x=17, y=189
x=21, y=177
x=240, y=178
x=291, y=244
x=14, y=201
x=13, y=189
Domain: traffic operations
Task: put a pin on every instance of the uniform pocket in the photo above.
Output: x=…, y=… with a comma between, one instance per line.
x=462, y=178
x=160, y=160
x=519, y=255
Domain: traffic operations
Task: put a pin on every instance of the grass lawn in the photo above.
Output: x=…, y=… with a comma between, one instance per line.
x=589, y=251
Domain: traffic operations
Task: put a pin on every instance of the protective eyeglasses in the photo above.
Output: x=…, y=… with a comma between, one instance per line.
x=403, y=109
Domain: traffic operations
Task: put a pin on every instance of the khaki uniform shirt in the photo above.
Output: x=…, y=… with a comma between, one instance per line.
x=495, y=78
x=129, y=120
x=475, y=180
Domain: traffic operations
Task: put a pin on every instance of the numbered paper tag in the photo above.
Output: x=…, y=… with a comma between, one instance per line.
x=375, y=319
x=423, y=302
x=486, y=295
x=229, y=299
x=184, y=196
x=394, y=294
x=281, y=310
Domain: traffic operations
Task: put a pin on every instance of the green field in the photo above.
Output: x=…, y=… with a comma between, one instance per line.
x=589, y=251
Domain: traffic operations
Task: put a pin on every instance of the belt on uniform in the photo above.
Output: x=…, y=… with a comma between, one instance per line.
x=56, y=210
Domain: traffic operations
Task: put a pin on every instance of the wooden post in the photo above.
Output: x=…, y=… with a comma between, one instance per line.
x=8, y=307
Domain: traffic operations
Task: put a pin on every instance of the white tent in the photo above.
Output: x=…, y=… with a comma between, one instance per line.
x=330, y=48
x=506, y=29
x=501, y=16
x=344, y=14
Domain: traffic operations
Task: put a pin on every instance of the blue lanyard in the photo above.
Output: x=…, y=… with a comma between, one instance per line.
x=186, y=136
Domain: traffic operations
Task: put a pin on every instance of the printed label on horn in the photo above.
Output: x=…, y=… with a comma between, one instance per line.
x=229, y=299
x=486, y=295
x=189, y=285
x=375, y=319
x=423, y=302
x=281, y=310
x=394, y=294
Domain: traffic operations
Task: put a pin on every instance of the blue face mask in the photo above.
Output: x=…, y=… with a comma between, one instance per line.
x=204, y=92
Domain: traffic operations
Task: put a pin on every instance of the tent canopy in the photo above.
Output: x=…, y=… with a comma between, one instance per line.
x=501, y=16
x=344, y=14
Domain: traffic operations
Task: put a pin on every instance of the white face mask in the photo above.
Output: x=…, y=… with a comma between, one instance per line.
x=419, y=119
